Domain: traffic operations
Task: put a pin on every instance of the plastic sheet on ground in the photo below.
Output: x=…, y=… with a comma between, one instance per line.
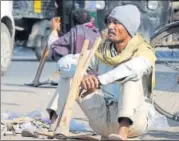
x=37, y=122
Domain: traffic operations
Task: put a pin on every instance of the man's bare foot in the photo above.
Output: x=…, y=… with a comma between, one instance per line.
x=123, y=131
x=124, y=128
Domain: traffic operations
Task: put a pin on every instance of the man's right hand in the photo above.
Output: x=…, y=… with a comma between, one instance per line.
x=90, y=83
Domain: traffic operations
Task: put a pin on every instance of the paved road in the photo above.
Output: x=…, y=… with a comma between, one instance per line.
x=17, y=97
x=22, y=99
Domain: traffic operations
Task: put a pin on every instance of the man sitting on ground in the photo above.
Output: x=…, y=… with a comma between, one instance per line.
x=119, y=81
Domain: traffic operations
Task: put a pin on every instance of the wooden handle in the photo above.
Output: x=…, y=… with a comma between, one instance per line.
x=45, y=54
x=43, y=133
x=83, y=63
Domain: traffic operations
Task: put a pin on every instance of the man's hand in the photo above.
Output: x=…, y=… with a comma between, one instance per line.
x=90, y=83
x=55, y=23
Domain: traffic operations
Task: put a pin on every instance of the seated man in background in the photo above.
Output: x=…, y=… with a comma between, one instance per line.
x=72, y=41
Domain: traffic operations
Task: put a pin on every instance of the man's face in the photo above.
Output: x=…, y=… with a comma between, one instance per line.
x=116, y=31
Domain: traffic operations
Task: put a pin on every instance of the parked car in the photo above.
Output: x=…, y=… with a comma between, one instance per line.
x=7, y=35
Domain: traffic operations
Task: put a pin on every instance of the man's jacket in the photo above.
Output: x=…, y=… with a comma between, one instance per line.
x=72, y=42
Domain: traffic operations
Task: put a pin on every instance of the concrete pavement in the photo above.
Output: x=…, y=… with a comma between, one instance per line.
x=16, y=97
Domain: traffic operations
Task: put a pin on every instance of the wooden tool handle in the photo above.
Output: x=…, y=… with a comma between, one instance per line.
x=83, y=63
x=45, y=54
x=43, y=133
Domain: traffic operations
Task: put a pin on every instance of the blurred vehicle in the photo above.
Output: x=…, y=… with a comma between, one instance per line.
x=154, y=14
x=7, y=35
x=156, y=17
x=32, y=22
x=32, y=17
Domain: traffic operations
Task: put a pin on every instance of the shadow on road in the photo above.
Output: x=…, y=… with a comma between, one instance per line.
x=173, y=123
x=26, y=86
x=23, y=91
x=168, y=135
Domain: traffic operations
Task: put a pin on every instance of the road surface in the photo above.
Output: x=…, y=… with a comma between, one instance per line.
x=16, y=97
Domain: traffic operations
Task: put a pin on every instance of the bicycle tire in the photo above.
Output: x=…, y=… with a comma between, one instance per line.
x=163, y=32
x=160, y=34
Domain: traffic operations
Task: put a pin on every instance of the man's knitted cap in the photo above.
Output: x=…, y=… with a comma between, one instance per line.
x=128, y=16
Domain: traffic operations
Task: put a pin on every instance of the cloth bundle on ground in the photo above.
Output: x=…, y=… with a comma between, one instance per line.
x=34, y=121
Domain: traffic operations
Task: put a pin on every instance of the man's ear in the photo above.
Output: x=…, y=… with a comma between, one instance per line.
x=104, y=33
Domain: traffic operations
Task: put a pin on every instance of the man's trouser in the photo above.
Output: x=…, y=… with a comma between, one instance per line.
x=103, y=118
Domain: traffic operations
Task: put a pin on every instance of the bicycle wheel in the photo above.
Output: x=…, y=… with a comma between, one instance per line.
x=165, y=41
x=166, y=35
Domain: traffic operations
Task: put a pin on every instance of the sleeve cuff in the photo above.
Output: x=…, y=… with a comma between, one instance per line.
x=103, y=79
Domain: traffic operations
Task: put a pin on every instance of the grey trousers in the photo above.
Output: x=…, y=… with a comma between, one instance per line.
x=103, y=118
